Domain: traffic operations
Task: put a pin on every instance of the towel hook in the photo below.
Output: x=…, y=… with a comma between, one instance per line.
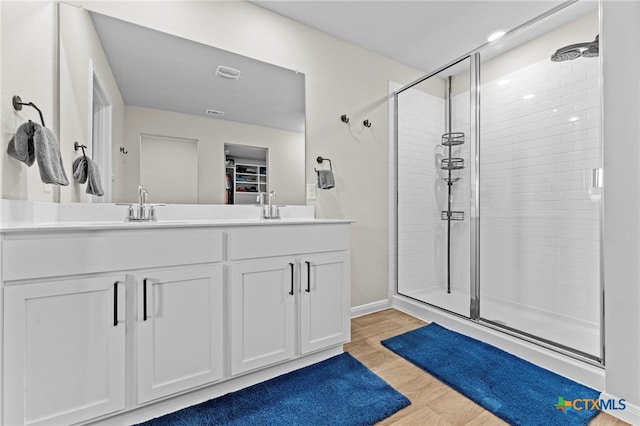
x=77, y=146
x=17, y=105
x=124, y=151
x=344, y=118
x=366, y=123
x=319, y=160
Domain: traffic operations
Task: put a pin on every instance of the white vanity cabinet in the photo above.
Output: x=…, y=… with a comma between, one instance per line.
x=64, y=350
x=121, y=323
x=179, y=330
x=68, y=299
x=324, y=300
x=290, y=292
x=262, y=313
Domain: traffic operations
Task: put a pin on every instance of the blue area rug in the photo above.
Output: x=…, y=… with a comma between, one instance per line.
x=337, y=391
x=515, y=390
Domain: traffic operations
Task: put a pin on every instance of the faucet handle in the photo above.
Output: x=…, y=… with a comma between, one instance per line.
x=130, y=213
x=260, y=198
x=152, y=211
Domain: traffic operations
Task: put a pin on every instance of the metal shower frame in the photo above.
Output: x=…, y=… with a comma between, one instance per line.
x=474, y=216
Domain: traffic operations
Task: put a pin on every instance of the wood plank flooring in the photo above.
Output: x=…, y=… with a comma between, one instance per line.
x=432, y=402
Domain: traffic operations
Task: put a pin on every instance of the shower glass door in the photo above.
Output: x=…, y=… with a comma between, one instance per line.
x=433, y=157
x=539, y=191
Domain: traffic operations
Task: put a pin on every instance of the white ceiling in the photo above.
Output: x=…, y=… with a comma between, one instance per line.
x=158, y=70
x=423, y=34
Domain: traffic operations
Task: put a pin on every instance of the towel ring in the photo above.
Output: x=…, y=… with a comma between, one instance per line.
x=77, y=146
x=17, y=105
x=319, y=160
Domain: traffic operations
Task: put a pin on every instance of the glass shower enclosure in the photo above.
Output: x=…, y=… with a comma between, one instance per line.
x=498, y=179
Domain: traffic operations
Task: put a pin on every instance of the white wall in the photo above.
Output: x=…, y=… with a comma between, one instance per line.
x=82, y=56
x=340, y=79
x=620, y=48
x=28, y=70
x=286, y=172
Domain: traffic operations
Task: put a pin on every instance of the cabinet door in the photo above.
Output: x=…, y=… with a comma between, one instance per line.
x=262, y=313
x=64, y=350
x=179, y=330
x=324, y=301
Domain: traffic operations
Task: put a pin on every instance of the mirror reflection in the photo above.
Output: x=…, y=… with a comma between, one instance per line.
x=164, y=112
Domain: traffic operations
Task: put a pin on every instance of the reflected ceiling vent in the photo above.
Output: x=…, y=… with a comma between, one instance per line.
x=214, y=112
x=227, y=72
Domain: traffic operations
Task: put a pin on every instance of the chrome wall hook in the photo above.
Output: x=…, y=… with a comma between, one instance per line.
x=77, y=146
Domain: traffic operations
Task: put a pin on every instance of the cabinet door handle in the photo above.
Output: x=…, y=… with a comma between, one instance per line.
x=291, y=267
x=115, y=303
x=308, y=290
x=144, y=299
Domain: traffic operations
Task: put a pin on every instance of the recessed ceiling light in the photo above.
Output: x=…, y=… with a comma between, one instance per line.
x=227, y=72
x=572, y=119
x=496, y=35
x=529, y=96
x=502, y=82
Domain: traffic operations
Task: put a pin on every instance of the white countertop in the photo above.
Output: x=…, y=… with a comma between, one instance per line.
x=105, y=225
x=28, y=216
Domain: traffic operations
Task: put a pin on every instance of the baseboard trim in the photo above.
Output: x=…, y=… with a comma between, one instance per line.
x=631, y=413
x=369, y=308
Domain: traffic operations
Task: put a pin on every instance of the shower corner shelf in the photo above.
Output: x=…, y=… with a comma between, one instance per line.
x=452, y=139
x=452, y=163
x=450, y=180
x=452, y=215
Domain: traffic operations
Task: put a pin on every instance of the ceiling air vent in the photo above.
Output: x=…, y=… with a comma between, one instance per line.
x=214, y=112
x=227, y=72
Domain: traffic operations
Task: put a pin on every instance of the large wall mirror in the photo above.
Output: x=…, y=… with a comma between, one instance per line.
x=139, y=98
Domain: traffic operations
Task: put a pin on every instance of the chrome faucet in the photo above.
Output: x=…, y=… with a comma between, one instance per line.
x=142, y=199
x=269, y=211
x=143, y=212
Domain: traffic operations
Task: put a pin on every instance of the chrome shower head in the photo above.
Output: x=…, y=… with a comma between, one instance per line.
x=573, y=51
x=593, y=51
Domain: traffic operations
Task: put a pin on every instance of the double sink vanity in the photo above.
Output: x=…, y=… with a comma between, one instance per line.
x=117, y=322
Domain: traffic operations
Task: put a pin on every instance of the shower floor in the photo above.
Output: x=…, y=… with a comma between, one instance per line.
x=565, y=331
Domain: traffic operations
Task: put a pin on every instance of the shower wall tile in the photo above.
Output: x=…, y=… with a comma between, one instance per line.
x=539, y=228
x=420, y=125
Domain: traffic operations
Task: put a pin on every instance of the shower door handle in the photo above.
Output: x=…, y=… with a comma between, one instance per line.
x=596, y=178
x=595, y=188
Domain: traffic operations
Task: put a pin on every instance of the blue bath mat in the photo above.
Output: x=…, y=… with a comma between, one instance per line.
x=513, y=389
x=337, y=391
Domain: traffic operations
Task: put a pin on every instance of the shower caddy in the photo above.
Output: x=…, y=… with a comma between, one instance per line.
x=450, y=163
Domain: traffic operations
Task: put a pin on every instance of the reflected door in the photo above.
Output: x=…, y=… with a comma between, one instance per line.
x=169, y=169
